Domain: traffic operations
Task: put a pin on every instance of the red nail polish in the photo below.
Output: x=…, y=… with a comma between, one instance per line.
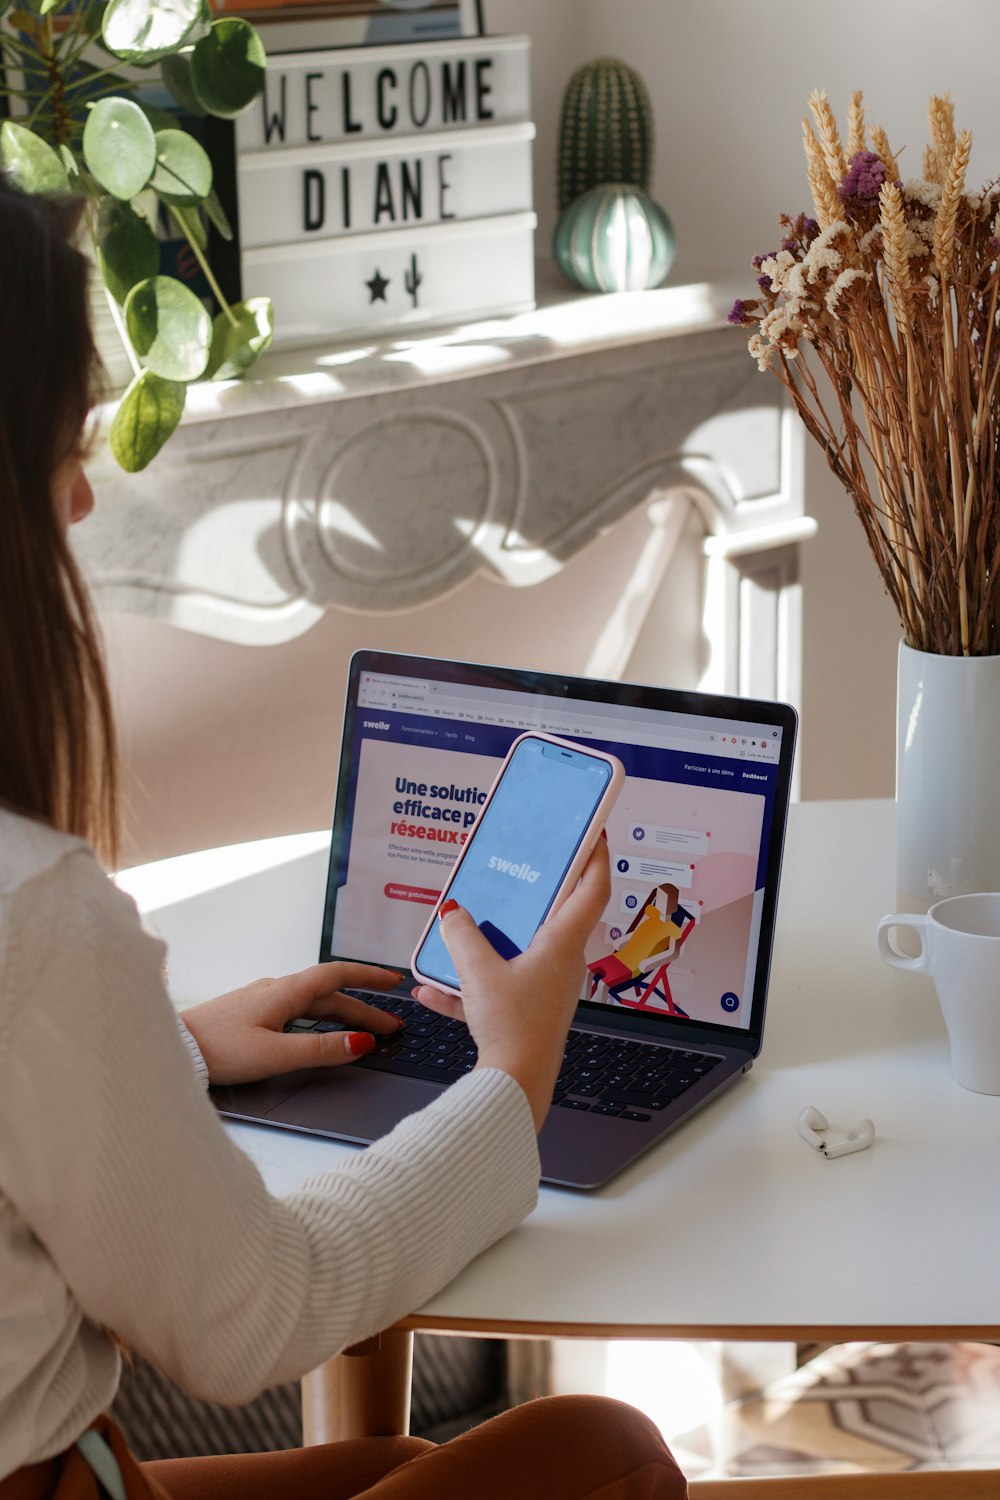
x=447, y=906
x=360, y=1042
x=604, y=834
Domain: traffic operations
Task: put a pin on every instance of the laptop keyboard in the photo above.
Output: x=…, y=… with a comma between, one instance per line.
x=604, y=1075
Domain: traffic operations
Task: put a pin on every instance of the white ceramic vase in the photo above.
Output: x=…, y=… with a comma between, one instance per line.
x=947, y=777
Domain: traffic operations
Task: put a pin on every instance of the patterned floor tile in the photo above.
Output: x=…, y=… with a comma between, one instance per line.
x=880, y=1407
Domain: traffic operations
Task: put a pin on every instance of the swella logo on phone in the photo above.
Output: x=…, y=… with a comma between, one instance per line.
x=508, y=867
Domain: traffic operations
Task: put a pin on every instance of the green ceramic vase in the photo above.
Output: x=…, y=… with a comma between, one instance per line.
x=615, y=238
x=605, y=129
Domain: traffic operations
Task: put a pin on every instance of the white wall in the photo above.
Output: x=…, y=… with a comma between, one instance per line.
x=729, y=81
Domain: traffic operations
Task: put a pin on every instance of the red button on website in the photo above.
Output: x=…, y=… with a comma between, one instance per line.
x=411, y=893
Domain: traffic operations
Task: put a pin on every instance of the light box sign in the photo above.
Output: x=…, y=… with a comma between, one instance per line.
x=439, y=273
x=323, y=192
x=319, y=98
x=381, y=186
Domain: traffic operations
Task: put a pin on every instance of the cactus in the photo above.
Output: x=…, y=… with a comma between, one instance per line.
x=605, y=130
x=614, y=238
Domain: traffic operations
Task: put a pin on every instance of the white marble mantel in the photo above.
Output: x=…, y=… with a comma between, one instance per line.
x=379, y=478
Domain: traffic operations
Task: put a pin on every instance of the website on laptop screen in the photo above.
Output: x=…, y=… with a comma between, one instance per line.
x=688, y=836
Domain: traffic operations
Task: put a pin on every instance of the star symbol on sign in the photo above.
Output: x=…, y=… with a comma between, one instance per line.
x=376, y=288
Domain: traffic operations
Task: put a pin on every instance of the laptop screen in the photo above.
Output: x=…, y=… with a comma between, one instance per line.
x=695, y=836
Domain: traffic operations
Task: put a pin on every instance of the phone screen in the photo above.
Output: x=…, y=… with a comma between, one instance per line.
x=520, y=851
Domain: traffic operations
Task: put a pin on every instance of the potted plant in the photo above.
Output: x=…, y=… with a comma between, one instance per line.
x=78, y=77
x=880, y=313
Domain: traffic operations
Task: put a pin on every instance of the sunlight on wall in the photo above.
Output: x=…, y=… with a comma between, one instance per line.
x=677, y=1385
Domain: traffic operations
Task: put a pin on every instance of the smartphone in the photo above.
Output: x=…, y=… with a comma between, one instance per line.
x=527, y=848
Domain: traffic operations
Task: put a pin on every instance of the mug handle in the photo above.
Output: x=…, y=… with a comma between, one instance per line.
x=895, y=960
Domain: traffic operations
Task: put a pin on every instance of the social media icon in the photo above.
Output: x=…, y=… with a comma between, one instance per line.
x=638, y=834
x=623, y=866
x=631, y=902
x=730, y=1001
x=614, y=933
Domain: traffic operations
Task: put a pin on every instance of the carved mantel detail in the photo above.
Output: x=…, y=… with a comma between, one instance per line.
x=378, y=480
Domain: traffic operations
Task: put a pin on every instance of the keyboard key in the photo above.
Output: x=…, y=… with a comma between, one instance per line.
x=605, y=1109
x=634, y=1101
x=573, y=1104
x=632, y=1114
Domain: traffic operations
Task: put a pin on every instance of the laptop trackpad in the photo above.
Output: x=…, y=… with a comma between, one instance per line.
x=352, y=1105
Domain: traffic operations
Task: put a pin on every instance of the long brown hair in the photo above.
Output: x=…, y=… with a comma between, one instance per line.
x=57, y=747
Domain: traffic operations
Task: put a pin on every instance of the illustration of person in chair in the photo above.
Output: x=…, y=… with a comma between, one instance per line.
x=635, y=973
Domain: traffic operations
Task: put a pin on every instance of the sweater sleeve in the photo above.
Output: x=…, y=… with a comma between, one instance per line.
x=161, y=1228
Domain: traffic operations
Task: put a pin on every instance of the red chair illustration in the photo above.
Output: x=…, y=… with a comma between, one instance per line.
x=652, y=942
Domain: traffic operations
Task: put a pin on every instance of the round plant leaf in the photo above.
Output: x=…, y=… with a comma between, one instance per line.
x=149, y=412
x=176, y=73
x=73, y=176
x=228, y=67
x=217, y=215
x=234, y=348
x=119, y=147
x=169, y=327
x=31, y=162
x=183, y=171
x=160, y=119
x=127, y=249
x=143, y=31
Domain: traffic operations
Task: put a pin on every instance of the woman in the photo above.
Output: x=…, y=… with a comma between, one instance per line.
x=126, y=1214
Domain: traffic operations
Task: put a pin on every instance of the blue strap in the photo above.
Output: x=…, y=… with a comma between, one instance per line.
x=103, y=1462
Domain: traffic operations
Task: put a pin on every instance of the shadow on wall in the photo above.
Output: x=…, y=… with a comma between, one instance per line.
x=223, y=742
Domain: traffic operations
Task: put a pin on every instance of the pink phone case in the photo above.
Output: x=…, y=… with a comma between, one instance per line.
x=578, y=865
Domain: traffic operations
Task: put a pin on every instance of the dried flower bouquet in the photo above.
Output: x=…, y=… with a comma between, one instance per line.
x=891, y=289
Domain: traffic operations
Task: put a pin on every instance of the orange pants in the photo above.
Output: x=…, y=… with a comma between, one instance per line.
x=558, y=1448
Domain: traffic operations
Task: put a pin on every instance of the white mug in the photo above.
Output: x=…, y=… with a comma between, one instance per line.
x=960, y=949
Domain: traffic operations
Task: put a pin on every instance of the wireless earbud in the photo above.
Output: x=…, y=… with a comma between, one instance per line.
x=815, y=1130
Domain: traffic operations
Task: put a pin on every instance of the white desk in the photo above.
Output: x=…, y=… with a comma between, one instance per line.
x=732, y=1227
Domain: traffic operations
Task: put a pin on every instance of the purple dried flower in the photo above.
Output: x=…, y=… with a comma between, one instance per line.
x=765, y=283
x=738, y=313
x=810, y=228
x=866, y=172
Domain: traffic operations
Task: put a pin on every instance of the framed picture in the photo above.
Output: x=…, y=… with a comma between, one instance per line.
x=307, y=25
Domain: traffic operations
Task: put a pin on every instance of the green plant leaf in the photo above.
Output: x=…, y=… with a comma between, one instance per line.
x=24, y=20
x=143, y=31
x=234, y=349
x=160, y=119
x=215, y=211
x=175, y=71
x=169, y=328
x=73, y=174
x=93, y=18
x=191, y=225
x=228, y=67
x=183, y=171
x=119, y=147
x=149, y=412
x=127, y=249
x=31, y=162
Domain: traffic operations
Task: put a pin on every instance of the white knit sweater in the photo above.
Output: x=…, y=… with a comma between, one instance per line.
x=124, y=1205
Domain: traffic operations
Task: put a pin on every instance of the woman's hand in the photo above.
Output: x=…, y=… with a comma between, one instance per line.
x=518, y=1010
x=241, y=1034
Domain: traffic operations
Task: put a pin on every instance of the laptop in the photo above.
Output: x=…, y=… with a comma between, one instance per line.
x=672, y=1001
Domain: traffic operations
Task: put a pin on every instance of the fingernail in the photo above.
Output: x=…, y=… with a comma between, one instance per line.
x=604, y=834
x=446, y=907
x=359, y=1042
